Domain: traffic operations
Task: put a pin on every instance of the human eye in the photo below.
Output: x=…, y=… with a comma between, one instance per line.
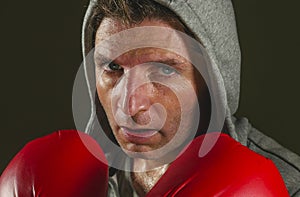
x=107, y=64
x=112, y=66
x=166, y=70
x=163, y=69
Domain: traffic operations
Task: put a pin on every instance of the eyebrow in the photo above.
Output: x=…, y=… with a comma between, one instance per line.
x=171, y=61
x=168, y=61
x=101, y=59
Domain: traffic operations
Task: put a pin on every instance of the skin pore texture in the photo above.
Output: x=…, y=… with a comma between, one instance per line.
x=145, y=115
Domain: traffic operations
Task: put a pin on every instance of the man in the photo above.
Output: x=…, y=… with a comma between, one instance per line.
x=210, y=22
x=154, y=91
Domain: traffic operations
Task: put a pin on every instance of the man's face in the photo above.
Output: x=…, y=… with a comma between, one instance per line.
x=143, y=112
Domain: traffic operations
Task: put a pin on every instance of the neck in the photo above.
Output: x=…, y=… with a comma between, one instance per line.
x=144, y=180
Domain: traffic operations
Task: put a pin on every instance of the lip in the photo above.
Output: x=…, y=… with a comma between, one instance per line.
x=138, y=135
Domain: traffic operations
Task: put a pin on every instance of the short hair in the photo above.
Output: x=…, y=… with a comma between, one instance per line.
x=134, y=12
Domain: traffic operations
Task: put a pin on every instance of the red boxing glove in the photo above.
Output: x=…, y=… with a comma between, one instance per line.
x=57, y=165
x=229, y=169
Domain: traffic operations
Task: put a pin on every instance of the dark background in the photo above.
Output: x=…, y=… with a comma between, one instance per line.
x=40, y=55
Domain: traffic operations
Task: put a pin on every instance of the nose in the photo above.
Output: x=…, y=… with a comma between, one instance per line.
x=139, y=101
x=137, y=90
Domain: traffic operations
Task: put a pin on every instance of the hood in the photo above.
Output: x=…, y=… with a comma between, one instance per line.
x=213, y=22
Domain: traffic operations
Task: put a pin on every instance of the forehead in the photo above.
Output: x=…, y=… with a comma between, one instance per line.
x=110, y=26
x=151, y=37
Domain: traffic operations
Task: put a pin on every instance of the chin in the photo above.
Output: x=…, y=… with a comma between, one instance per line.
x=142, y=155
x=141, y=152
x=159, y=155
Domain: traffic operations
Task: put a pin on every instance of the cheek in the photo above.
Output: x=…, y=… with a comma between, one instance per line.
x=105, y=83
x=166, y=96
x=183, y=111
x=104, y=87
x=169, y=100
x=103, y=96
x=105, y=79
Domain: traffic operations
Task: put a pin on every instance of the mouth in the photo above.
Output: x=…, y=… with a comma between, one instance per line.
x=138, y=134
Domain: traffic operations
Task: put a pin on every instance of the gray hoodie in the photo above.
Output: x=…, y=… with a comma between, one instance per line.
x=213, y=22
